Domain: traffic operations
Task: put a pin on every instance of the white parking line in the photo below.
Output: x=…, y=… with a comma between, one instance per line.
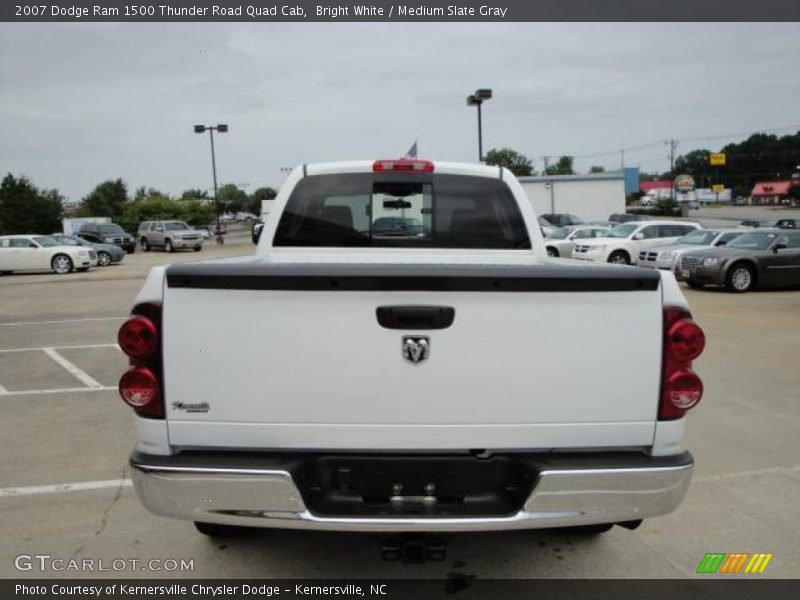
x=80, y=347
x=80, y=375
x=104, y=388
x=64, y=487
x=18, y=323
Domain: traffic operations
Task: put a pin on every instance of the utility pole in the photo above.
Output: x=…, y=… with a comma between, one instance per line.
x=546, y=159
x=672, y=145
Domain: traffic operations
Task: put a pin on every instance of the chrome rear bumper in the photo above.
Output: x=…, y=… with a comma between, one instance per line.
x=270, y=498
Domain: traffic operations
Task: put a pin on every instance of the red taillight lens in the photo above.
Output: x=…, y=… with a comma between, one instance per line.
x=402, y=166
x=140, y=389
x=684, y=389
x=686, y=340
x=138, y=337
x=140, y=386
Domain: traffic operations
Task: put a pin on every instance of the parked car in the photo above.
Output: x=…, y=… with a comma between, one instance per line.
x=623, y=243
x=626, y=217
x=763, y=258
x=788, y=224
x=106, y=253
x=358, y=432
x=589, y=231
x=561, y=242
x=42, y=253
x=546, y=227
x=562, y=219
x=739, y=201
x=664, y=256
x=108, y=233
x=170, y=235
x=204, y=230
x=556, y=244
x=256, y=233
x=751, y=223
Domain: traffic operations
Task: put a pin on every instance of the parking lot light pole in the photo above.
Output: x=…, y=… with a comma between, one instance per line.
x=477, y=99
x=221, y=128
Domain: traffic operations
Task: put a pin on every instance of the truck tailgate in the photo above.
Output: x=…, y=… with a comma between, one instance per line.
x=263, y=355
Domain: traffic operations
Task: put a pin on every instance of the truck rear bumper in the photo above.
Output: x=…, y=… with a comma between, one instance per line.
x=565, y=490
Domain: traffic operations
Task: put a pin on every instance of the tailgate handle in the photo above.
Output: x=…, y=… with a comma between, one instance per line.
x=414, y=316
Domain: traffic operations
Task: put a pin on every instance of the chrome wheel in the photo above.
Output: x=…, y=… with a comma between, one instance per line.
x=552, y=252
x=741, y=279
x=61, y=264
x=168, y=246
x=103, y=259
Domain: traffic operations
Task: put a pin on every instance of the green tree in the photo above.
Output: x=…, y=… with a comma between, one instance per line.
x=262, y=193
x=107, y=199
x=562, y=167
x=25, y=209
x=232, y=198
x=597, y=169
x=194, y=194
x=146, y=192
x=519, y=164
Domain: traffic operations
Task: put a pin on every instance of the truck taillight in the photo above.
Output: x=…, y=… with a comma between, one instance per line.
x=138, y=337
x=402, y=166
x=684, y=340
x=139, y=388
x=141, y=385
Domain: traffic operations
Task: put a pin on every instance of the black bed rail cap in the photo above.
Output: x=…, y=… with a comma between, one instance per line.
x=259, y=275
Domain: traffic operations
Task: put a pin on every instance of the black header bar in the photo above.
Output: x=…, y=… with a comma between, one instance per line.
x=410, y=11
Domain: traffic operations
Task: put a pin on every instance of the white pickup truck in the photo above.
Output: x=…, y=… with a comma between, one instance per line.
x=400, y=354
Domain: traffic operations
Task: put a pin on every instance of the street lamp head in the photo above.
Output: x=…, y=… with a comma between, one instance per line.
x=222, y=128
x=199, y=128
x=483, y=94
x=472, y=100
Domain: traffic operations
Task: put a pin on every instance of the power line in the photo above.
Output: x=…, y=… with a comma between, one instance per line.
x=659, y=142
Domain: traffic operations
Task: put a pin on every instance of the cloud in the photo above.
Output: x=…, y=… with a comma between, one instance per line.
x=84, y=102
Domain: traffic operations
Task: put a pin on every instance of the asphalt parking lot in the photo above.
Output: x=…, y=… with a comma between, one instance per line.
x=66, y=436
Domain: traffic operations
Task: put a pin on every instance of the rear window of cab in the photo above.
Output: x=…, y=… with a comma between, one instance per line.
x=402, y=210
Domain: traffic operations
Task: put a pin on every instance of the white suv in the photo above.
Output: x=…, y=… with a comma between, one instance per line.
x=623, y=243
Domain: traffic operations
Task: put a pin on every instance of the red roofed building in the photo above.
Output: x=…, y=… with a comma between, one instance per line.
x=771, y=192
x=648, y=186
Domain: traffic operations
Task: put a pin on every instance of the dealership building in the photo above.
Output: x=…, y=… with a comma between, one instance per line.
x=591, y=197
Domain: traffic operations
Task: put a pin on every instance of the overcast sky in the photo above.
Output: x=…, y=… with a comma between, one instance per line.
x=80, y=103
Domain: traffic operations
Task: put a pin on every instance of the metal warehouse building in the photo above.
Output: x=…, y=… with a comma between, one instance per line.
x=591, y=197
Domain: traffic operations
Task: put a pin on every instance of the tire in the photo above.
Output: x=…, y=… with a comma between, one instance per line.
x=619, y=257
x=740, y=278
x=198, y=248
x=214, y=530
x=132, y=249
x=103, y=259
x=145, y=245
x=552, y=252
x=168, y=246
x=61, y=264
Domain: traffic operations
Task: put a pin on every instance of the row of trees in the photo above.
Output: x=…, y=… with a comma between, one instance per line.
x=522, y=166
x=760, y=157
x=26, y=209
